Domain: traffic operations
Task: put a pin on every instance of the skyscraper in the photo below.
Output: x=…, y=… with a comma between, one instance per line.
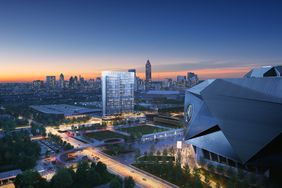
x=62, y=81
x=135, y=79
x=148, y=78
x=51, y=82
x=117, y=92
x=71, y=83
x=148, y=71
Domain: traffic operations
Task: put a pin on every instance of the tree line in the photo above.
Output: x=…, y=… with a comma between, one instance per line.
x=87, y=175
x=18, y=151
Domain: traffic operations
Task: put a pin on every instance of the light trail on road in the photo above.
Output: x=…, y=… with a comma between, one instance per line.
x=142, y=179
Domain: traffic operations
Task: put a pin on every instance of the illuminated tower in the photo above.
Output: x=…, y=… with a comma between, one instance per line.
x=148, y=78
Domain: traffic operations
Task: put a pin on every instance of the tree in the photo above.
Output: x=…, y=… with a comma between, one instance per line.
x=101, y=168
x=210, y=167
x=93, y=178
x=207, y=179
x=62, y=179
x=186, y=169
x=18, y=150
x=8, y=125
x=116, y=182
x=219, y=169
x=81, y=172
x=165, y=152
x=93, y=165
x=129, y=182
x=171, y=151
x=38, y=129
x=178, y=158
x=197, y=182
x=137, y=153
x=152, y=150
x=30, y=178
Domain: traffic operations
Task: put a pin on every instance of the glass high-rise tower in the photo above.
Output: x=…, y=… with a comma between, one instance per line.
x=117, y=92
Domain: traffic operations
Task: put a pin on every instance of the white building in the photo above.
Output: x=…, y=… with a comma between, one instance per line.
x=117, y=92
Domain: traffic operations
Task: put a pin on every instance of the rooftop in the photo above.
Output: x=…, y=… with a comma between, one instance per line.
x=63, y=109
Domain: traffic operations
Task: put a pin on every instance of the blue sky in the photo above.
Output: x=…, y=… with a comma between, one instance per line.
x=77, y=37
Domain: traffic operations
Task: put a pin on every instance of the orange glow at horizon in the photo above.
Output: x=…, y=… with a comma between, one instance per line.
x=202, y=73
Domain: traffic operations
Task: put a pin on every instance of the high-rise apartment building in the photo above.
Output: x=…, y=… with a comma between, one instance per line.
x=51, y=82
x=117, y=92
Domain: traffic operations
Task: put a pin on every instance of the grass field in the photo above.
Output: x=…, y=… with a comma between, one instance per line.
x=141, y=130
x=102, y=135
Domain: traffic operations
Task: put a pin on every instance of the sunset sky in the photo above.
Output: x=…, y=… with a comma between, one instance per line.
x=211, y=38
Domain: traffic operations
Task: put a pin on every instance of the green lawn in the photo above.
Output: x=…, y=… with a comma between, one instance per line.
x=102, y=135
x=141, y=130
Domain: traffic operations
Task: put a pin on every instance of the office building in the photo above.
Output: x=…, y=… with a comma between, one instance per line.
x=192, y=79
x=180, y=79
x=167, y=83
x=62, y=81
x=37, y=84
x=148, y=76
x=237, y=122
x=51, y=82
x=135, y=78
x=117, y=92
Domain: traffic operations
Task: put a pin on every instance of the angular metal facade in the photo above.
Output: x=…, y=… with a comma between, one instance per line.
x=239, y=119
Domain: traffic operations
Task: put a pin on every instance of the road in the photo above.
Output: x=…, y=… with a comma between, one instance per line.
x=142, y=179
x=120, y=169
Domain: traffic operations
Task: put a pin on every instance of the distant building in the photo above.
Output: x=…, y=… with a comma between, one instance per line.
x=192, y=79
x=117, y=92
x=148, y=71
x=75, y=82
x=140, y=84
x=167, y=83
x=62, y=81
x=65, y=110
x=71, y=83
x=37, y=84
x=98, y=83
x=135, y=78
x=156, y=85
x=81, y=81
x=180, y=78
x=51, y=82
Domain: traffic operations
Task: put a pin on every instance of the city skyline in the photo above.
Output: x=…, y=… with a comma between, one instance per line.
x=214, y=40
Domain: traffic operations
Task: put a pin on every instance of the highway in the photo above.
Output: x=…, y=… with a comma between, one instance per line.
x=141, y=179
